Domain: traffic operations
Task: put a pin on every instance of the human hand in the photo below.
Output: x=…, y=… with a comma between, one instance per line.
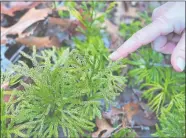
x=166, y=32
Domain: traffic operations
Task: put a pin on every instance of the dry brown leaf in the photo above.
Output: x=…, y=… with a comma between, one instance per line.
x=3, y=39
x=113, y=112
x=124, y=122
x=66, y=24
x=132, y=12
x=136, y=115
x=141, y=119
x=127, y=96
x=103, y=126
x=148, y=112
x=39, y=41
x=32, y=16
x=113, y=30
x=17, y=6
x=63, y=23
x=120, y=10
x=114, y=115
x=128, y=10
x=130, y=110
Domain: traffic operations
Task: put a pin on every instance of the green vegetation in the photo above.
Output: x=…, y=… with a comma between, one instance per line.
x=66, y=91
x=68, y=86
x=163, y=88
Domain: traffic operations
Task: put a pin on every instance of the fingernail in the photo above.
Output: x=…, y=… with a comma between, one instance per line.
x=180, y=63
x=114, y=56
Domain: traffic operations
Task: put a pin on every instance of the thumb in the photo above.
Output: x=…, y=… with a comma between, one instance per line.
x=178, y=55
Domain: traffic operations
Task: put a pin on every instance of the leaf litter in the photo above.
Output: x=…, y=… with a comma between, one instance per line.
x=11, y=7
x=27, y=20
x=133, y=114
x=45, y=15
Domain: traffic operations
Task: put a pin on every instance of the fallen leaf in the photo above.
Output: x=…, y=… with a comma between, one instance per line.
x=141, y=119
x=103, y=127
x=135, y=115
x=17, y=6
x=130, y=110
x=113, y=30
x=39, y=41
x=120, y=10
x=64, y=23
x=124, y=122
x=114, y=115
x=27, y=20
x=67, y=25
x=148, y=112
x=126, y=96
x=132, y=12
x=113, y=112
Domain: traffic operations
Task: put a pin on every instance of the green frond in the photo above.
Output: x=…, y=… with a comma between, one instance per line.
x=160, y=83
x=172, y=123
x=66, y=93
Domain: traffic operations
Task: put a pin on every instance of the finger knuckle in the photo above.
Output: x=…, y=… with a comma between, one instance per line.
x=154, y=13
x=163, y=21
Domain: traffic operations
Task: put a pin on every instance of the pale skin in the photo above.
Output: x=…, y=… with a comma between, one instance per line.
x=166, y=33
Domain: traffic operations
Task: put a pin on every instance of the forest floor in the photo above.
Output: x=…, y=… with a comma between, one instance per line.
x=24, y=24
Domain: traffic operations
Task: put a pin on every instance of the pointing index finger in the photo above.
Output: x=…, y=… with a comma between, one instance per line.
x=161, y=26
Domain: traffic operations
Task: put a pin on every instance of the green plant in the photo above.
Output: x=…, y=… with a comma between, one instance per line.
x=165, y=92
x=8, y=128
x=147, y=66
x=67, y=87
x=144, y=16
x=62, y=14
x=127, y=30
x=160, y=83
x=124, y=133
x=163, y=88
x=172, y=123
x=66, y=92
x=91, y=28
x=88, y=16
